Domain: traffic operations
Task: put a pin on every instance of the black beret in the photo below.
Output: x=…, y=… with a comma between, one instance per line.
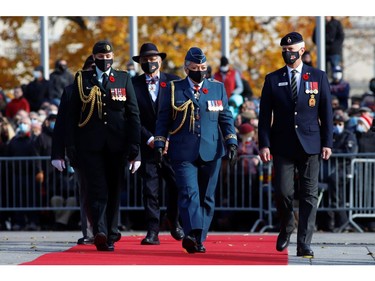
x=291, y=39
x=102, y=46
x=195, y=55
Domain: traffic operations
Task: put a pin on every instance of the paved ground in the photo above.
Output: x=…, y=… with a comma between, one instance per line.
x=355, y=251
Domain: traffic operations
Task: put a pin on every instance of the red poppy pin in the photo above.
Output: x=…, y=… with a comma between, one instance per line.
x=205, y=90
x=306, y=76
x=163, y=84
x=112, y=79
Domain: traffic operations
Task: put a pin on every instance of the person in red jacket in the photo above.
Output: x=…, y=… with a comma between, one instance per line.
x=17, y=103
x=230, y=77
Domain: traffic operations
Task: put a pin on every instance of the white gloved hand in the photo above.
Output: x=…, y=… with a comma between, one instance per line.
x=134, y=165
x=59, y=164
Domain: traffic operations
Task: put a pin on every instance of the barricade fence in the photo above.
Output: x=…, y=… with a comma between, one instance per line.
x=346, y=184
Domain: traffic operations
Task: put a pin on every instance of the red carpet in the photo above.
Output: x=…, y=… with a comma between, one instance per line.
x=221, y=250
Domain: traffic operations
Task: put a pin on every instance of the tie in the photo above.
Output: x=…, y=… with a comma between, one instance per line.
x=294, y=85
x=105, y=80
x=196, y=91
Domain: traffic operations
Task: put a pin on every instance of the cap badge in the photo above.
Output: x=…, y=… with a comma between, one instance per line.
x=107, y=47
x=289, y=40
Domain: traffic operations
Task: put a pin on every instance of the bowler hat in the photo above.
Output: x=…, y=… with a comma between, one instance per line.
x=291, y=39
x=102, y=46
x=148, y=49
x=195, y=55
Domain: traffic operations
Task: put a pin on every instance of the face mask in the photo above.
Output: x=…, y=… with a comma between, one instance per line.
x=290, y=57
x=360, y=128
x=52, y=124
x=150, y=67
x=37, y=74
x=337, y=76
x=63, y=67
x=338, y=129
x=197, y=76
x=103, y=65
x=372, y=86
x=224, y=69
x=131, y=72
x=23, y=128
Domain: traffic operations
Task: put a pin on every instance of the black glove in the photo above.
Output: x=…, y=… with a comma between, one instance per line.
x=133, y=152
x=158, y=156
x=232, y=154
x=71, y=153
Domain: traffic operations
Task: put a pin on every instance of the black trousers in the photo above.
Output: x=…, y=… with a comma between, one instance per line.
x=153, y=177
x=104, y=175
x=308, y=172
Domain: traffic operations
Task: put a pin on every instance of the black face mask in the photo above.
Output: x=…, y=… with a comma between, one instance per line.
x=104, y=65
x=287, y=56
x=150, y=67
x=197, y=76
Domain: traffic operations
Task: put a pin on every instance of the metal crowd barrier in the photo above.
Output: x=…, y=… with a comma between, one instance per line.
x=245, y=187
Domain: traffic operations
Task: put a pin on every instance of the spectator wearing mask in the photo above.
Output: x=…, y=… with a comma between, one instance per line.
x=230, y=77
x=58, y=80
x=340, y=88
x=36, y=91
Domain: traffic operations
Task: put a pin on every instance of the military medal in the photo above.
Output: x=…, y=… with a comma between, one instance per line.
x=118, y=94
x=215, y=105
x=312, y=101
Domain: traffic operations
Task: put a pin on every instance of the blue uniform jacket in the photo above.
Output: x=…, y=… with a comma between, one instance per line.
x=282, y=122
x=212, y=122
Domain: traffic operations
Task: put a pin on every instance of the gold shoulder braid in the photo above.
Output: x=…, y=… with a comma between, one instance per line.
x=95, y=95
x=183, y=108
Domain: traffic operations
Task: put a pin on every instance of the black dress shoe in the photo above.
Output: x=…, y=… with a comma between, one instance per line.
x=189, y=243
x=151, y=239
x=305, y=251
x=100, y=242
x=177, y=233
x=282, y=241
x=85, y=241
x=200, y=248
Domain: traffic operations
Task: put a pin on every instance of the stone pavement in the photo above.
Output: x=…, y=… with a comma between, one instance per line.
x=330, y=248
x=343, y=256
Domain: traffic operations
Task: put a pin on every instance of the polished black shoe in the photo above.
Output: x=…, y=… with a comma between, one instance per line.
x=100, y=242
x=177, y=232
x=151, y=239
x=189, y=243
x=200, y=248
x=85, y=241
x=305, y=251
x=283, y=241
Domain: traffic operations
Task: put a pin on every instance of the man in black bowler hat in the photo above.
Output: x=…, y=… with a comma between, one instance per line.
x=195, y=121
x=148, y=88
x=104, y=133
x=295, y=126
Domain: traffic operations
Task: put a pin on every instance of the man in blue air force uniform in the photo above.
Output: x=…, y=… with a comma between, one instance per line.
x=195, y=119
x=295, y=125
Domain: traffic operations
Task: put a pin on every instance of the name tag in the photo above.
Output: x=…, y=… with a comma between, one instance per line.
x=283, y=84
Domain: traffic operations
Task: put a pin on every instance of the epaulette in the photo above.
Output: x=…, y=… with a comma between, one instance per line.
x=213, y=80
x=177, y=80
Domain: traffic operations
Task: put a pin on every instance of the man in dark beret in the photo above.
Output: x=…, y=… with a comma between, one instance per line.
x=197, y=125
x=295, y=130
x=104, y=132
x=148, y=89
